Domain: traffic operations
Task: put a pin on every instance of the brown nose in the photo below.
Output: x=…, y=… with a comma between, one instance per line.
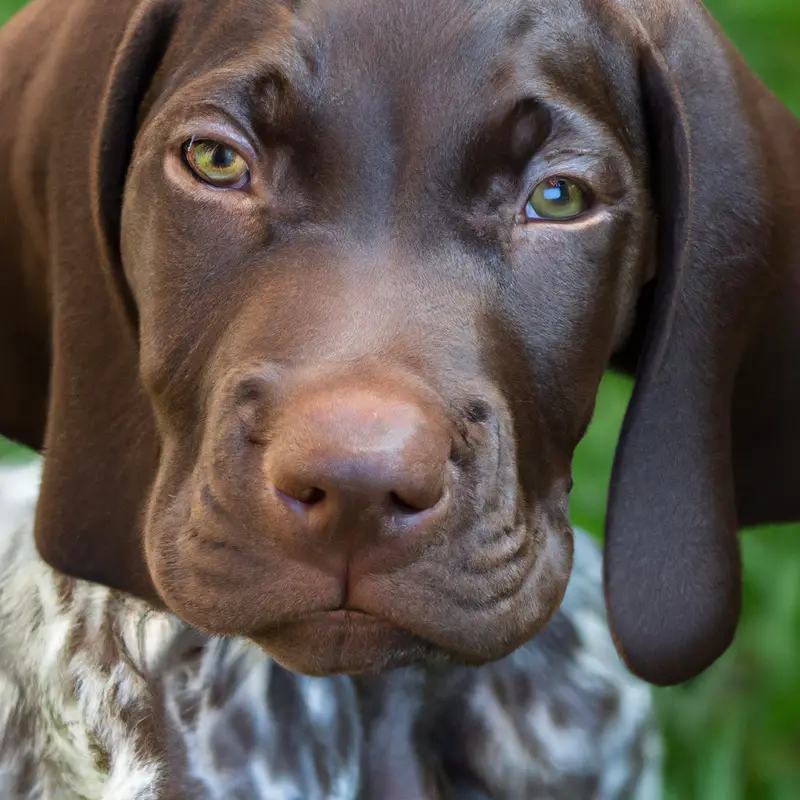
x=359, y=459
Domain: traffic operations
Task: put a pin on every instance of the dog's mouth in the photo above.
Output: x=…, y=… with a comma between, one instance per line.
x=473, y=597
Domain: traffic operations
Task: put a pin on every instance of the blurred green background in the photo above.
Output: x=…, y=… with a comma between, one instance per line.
x=734, y=733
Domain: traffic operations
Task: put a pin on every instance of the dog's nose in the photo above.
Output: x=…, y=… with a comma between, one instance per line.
x=359, y=460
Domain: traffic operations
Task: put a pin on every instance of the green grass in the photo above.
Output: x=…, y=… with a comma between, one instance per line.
x=8, y=7
x=733, y=734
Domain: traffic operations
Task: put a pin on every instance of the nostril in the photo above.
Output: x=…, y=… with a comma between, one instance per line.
x=308, y=496
x=408, y=504
x=403, y=506
x=311, y=496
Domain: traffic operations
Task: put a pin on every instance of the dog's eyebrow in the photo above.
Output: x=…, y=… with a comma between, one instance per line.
x=261, y=100
x=509, y=137
x=525, y=127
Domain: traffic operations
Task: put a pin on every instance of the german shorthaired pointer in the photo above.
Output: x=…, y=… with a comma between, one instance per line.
x=308, y=301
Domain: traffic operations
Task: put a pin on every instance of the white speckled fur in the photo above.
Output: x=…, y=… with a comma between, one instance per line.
x=69, y=702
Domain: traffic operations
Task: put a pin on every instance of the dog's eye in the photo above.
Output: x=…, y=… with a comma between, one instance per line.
x=557, y=198
x=216, y=163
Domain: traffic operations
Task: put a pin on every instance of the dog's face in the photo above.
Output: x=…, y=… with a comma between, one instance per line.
x=330, y=287
x=380, y=256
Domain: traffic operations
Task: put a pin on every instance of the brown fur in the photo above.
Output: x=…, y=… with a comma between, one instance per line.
x=166, y=332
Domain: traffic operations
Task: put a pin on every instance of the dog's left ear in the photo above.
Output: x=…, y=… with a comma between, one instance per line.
x=101, y=449
x=724, y=177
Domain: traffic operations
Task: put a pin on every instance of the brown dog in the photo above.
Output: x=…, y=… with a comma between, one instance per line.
x=308, y=304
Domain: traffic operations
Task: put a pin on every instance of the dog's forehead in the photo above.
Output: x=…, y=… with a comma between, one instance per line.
x=416, y=35
x=445, y=46
x=467, y=52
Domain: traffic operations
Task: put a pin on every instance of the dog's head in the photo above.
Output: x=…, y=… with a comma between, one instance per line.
x=372, y=260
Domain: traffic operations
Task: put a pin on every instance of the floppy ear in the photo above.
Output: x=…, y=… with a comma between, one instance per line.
x=720, y=180
x=101, y=446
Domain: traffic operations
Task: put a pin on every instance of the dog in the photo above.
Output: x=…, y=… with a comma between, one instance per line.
x=307, y=304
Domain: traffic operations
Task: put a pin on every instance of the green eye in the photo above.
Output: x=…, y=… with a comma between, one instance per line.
x=557, y=199
x=216, y=163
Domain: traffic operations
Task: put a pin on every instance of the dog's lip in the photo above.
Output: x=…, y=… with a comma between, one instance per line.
x=337, y=616
x=341, y=641
x=349, y=614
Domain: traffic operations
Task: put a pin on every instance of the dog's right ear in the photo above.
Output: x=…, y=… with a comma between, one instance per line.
x=80, y=72
x=724, y=154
